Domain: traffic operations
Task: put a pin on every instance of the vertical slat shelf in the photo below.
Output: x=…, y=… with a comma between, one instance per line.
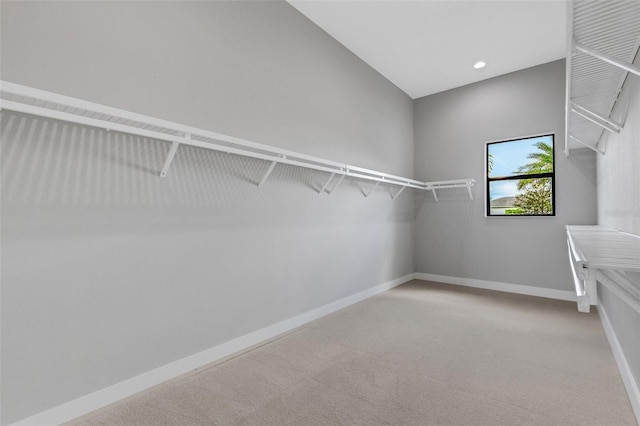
x=603, y=38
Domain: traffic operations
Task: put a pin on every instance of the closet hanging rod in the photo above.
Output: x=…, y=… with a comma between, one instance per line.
x=28, y=100
x=186, y=140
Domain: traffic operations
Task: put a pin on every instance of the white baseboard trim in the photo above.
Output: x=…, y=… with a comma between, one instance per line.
x=93, y=401
x=627, y=377
x=506, y=287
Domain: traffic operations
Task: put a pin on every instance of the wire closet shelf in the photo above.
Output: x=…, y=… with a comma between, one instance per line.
x=605, y=255
x=28, y=100
x=603, y=39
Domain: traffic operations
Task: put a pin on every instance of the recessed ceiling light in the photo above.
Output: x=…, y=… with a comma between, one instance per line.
x=479, y=65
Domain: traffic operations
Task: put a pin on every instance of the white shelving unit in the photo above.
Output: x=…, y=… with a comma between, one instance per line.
x=606, y=255
x=41, y=103
x=602, y=41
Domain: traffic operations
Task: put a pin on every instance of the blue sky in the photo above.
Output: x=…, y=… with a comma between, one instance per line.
x=507, y=158
x=503, y=189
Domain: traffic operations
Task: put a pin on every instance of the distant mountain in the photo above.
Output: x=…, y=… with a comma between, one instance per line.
x=503, y=202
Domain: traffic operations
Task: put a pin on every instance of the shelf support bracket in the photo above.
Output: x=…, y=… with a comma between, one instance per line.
x=327, y=184
x=582, y=297
x=605, y=126
x=581, y=142
x=169, y=160
x=607, y=58
x=371, y=190
x=599, y=116
x=393, y=197
x=590, y=286
x=266, y=175
x=469, y=185
x=435, y=196
x=329, y=191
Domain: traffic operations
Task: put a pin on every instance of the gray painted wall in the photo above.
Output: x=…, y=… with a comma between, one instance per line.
x=453, y=237
x=619, y=208
x=109, y=271
x=257, y=70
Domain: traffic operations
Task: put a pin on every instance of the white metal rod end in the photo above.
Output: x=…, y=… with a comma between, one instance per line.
x=329, y=191
x=266, y=175
x=371, y=190
x=169, y=160
x=326, y=184
x=394, y=196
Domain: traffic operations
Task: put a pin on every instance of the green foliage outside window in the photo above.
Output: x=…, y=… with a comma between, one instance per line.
x=520, y=177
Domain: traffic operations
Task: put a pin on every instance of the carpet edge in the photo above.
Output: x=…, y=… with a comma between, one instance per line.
x=633, y=391
x=549, y=293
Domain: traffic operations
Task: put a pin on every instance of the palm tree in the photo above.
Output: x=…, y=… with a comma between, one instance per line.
x=536, y=194
x=542, y=163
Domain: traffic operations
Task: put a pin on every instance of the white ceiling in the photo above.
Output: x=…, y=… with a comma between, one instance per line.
x=429, y=46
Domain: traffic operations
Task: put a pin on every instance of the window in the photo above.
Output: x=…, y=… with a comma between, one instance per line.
x=520, y=177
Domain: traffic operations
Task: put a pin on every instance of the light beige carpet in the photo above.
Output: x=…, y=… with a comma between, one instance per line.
x=420, y=354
